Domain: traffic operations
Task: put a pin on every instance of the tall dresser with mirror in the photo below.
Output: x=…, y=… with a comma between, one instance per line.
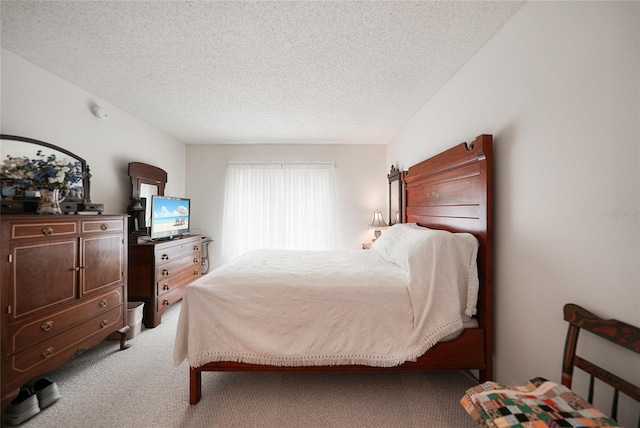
x=63, y=287
x=159, y=270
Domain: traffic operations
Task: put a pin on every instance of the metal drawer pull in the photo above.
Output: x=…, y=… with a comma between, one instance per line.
x=104, y=323
x=104, y=226
x=47, y=352
x=166, y=302
x=195, y=272
x=196, y=248
x=165, y=272
x=165, y=257
x=47, y=326
x=196, y=260
x=166, y=287
x=103, y=303
x=47, y=231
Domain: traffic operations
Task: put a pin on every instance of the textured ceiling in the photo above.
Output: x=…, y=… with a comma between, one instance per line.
x=251, y=72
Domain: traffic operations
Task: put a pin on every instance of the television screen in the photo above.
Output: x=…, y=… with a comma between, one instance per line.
x=169, y=216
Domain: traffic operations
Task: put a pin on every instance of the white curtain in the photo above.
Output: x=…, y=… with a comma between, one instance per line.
x=279, y=206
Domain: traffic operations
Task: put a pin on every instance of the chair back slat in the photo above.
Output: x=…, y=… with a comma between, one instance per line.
x=614, y=405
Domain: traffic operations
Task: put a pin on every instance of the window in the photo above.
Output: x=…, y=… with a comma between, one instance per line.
x=279, y=206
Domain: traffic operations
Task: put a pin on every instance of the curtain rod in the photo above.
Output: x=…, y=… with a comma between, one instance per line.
x=327, y=163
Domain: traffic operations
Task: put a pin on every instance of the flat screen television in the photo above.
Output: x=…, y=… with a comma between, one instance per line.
x=169, y=217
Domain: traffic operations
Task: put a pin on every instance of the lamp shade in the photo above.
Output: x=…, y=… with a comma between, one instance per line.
x=377, y=221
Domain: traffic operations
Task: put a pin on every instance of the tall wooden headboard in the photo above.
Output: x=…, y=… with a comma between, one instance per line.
x=453, y=191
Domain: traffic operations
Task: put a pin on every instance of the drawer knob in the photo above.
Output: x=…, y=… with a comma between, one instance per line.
x=47, y=352
x=165, y=257
x=195, y=272
x=166, y=287
x=47, y=231
x=104, y=323
x=103, y=303
x=196, y=260
x=47, y=326
x=165, y=272
x=166, y=302
x=104, y=226
x=196, y=248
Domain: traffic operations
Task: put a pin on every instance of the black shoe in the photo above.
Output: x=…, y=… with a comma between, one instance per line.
x=22, y=408
x=47, y=392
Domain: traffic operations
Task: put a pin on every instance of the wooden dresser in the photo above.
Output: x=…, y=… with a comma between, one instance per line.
x=160, y=270
x=63, y=291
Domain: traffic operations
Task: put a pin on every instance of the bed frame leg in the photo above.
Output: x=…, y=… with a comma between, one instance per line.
x=195, y=385
x=485, y=375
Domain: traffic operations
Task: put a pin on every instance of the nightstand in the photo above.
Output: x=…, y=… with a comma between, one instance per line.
x=205, y=254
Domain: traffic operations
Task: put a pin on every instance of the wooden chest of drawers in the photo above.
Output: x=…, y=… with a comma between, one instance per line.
x=63, y=291
x=159, y=271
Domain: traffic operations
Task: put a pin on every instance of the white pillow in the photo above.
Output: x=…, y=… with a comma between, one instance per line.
x=400, y=240
x=394, y=243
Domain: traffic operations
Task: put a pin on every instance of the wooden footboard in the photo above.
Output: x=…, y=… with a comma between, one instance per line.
x=464, y=352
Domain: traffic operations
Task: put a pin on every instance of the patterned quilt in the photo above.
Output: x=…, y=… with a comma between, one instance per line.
x=539, y=403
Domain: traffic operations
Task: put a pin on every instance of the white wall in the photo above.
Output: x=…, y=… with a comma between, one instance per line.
x=36, y=104
x=558, y=87
x=360, y=174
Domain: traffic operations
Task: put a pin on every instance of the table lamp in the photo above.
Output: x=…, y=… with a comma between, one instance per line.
x=377, y=223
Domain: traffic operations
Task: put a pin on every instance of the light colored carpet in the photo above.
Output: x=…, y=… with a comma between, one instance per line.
x=139, y=387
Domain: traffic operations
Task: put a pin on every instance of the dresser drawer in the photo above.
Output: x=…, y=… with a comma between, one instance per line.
x=182, y=278
x=26, y=335
x=103, y=225
x=166, y=270
x=9, y=206
x=170, y=298
x=166, y=254
x=43, y=229
x=40, y=353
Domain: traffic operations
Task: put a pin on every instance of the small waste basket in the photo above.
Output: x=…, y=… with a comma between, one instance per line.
x=134, y=320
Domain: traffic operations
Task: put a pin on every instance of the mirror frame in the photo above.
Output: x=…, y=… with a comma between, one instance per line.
x=86, y=181
x=142, y=173
x=395, y=175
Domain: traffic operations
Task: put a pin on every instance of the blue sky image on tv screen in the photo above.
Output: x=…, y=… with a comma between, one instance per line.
x=170, y=215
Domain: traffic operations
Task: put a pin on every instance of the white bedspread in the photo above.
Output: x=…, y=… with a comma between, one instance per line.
x=380, y=307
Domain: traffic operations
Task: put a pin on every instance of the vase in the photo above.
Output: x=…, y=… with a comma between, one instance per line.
x=49, y=202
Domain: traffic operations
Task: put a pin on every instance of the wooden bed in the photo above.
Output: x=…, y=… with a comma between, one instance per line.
x=451, y=191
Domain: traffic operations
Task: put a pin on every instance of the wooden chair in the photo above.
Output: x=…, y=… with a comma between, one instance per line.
x=492, y=404
x=614, y=331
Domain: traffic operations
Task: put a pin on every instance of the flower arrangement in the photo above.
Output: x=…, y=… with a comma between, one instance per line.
x=44, y=172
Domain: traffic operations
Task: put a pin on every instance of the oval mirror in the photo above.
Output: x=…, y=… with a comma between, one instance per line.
x=22, y=147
